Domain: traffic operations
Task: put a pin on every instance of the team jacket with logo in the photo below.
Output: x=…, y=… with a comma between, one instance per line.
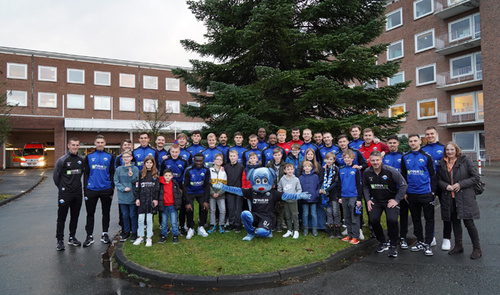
x=262, y=144
x=197, y=182
x=267, y=154
x=99, y=171
x=195, y=148
x=350, y=184
x=178, y=166
x=246, y=154
x=367, y=150
x=388, y=184
x=393, y=159
x=141, y=153
x=436, y=150
x=325, y=150
x=68, y=172
x=240, y=149
x=308, y=145
x=161, y=153
x=185, y=154
x=224, y=149
x=358, y=160
x=209, y=154
x=356, y=144
x=418, y=170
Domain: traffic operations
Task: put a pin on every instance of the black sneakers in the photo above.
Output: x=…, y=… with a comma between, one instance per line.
x=88, y=241
x=393, y=252
x=105, y=238
x=381, y=248
x=74, y=241
x=60, y=245
x=175, y=239
x=133, y=237
x=162, y=240
x=124, y=236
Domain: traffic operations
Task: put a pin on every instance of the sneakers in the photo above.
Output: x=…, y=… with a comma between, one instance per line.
x=182, y=231
x=306, y=231
x=222, y=229
x=212, y=229
x=138, y=241
x=361, y=235
x=418, y=247
x=175, y=239
x=73, y=241
x=229, y=228
x=133, y=237
x=354, y=241
x=428, y=250
x=287, y=234
x=296, y=234
x=237, y=229
x=346, y=239
x=403, y=244
x=162, y=240
x=88, y=241
x=446, y=245
x=60, y=245
x=433, y=243
x=190, y=234
x=149, y=242
x=315, y=231
x=381, y=248
x=393, y=252
x=279, y=227
x=202, y=232
x=105, y=238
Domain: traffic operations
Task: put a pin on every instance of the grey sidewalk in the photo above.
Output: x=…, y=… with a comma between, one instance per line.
x=16, y=182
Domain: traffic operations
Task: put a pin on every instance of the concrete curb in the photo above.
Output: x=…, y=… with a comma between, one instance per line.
x=13, y=198
x=335, y=262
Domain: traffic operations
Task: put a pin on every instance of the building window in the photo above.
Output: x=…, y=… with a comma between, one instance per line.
x=47, y=100
x=172, y=84
x=76, y=101
x=150, y=82
x=76, y=76
x=468, y=103
x=47, y=74
x=17, y=71
x=17, y=98
x=102, y=78
x=464, y=28
x=426, y=75
x=193, y=104
x=427, y=109
x=422, y=8
x=192, y=89
x=466, y=65
x=102, y=103
x=150, y=105
x=127, y=80
x=397, y=110
x=173, y=106
x=394, y=19
x=424, y=41
x=465, y=140
x=127, y=104
x=395, y=50
x=372, y=85
x=398, y=78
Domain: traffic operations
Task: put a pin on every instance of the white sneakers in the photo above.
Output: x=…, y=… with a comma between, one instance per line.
x=190, y=234
x=202, y=232
x=446, y=245
x=433, y=243
x=138, y=241
x=296, y=234
x=361, y=235
x=287, y=234
x=149, y=242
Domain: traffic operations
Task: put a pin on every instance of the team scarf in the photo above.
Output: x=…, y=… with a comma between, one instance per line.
x=327, y=182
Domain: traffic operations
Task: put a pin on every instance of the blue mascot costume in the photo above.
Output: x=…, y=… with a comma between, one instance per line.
x=260, y=219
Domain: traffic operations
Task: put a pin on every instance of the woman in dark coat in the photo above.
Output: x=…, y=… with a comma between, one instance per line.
x=457, y=177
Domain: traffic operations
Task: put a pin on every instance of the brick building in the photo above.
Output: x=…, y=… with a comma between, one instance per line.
x=449, y=50
x=59, y=96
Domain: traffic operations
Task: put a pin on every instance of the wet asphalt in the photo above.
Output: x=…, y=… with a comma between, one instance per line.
x=29, y=263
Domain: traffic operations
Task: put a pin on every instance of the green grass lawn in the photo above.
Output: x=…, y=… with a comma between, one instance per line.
x=4, y=197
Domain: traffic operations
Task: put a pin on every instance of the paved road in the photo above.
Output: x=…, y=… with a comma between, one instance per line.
x=31, y=265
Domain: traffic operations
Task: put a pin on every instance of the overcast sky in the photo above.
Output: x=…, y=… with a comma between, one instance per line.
x=140, y=30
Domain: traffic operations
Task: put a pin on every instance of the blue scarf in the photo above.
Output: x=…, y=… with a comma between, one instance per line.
x=327, y=182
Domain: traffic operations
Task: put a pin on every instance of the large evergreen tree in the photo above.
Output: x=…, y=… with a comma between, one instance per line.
x=287, y=63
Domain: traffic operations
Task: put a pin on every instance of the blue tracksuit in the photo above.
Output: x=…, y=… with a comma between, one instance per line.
x=267, y=154
x=309, y=145
x=358, y=160
x=178, y=166
x=295, y=161
x=99, y=171
x=209, y=154
x=224, y=149
x=393, y=159
x=240, y=149
x=356, y=144
x=247, y=153
x=161, y=153
x=262, y=144
x=436, y=150
x=141, y=153
x=197, y=181
x=196, y=148
x=350, y=184
x=325, y=150
x=418, y=170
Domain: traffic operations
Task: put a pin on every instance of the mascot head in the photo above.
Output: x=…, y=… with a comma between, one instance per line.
x=262, y=179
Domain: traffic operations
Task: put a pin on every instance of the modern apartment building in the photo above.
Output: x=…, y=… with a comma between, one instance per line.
x=449, y=49
x=59, y=96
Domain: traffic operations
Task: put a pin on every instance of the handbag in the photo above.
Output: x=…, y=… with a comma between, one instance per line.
x=479, y=187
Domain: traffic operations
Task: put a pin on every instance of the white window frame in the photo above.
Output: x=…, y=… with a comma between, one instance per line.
x=415, y=17
x=146, y=105
x=19, y=92
x=75, y=70
x=153, y=78
x=425, y=33
x=389, y=82
x=193, y=104
x=192, y=89
x=400, y=10
x=9, y=74
x=178, y=86
x=40, y=94
x=454, y=136
x=452, y=2
x=102, y=97
x=175, y=104
x=420, y=117
x=122, y=84
x=74, y=96
x=398, y=105
x=402, y=50
x=371, y=85
x=424, y=67
x=472, y=28
x=40, y=78
x=123, y=102
x=99, y=73
x=474, y=103
x=473, y=72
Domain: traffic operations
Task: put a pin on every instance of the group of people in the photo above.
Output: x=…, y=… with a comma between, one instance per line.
x=336, y=178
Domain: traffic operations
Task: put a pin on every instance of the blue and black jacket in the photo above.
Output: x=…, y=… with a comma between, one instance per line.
x=224, y=149
x=119, y=161
x=350, y=183
x=141, y=153
x=178, y=166
x=262, y=144
x=267, y=154
x=436, y=150
x=209, y=154
x=246, y=154
x=290, y=158
x=161, y=153
x=393, y=159
x=418, y=169
x=325, y=150
x=196, y=148
x=308, y=145
x=358, y=160
x=356, y=143
x=99, y=171
x=240, y=149
x=185, y=154
x=196, y=182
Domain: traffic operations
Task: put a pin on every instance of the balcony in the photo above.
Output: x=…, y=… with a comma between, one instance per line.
x=449, y=120
x=445, y=47
x=444, y=10
x=447, y=83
